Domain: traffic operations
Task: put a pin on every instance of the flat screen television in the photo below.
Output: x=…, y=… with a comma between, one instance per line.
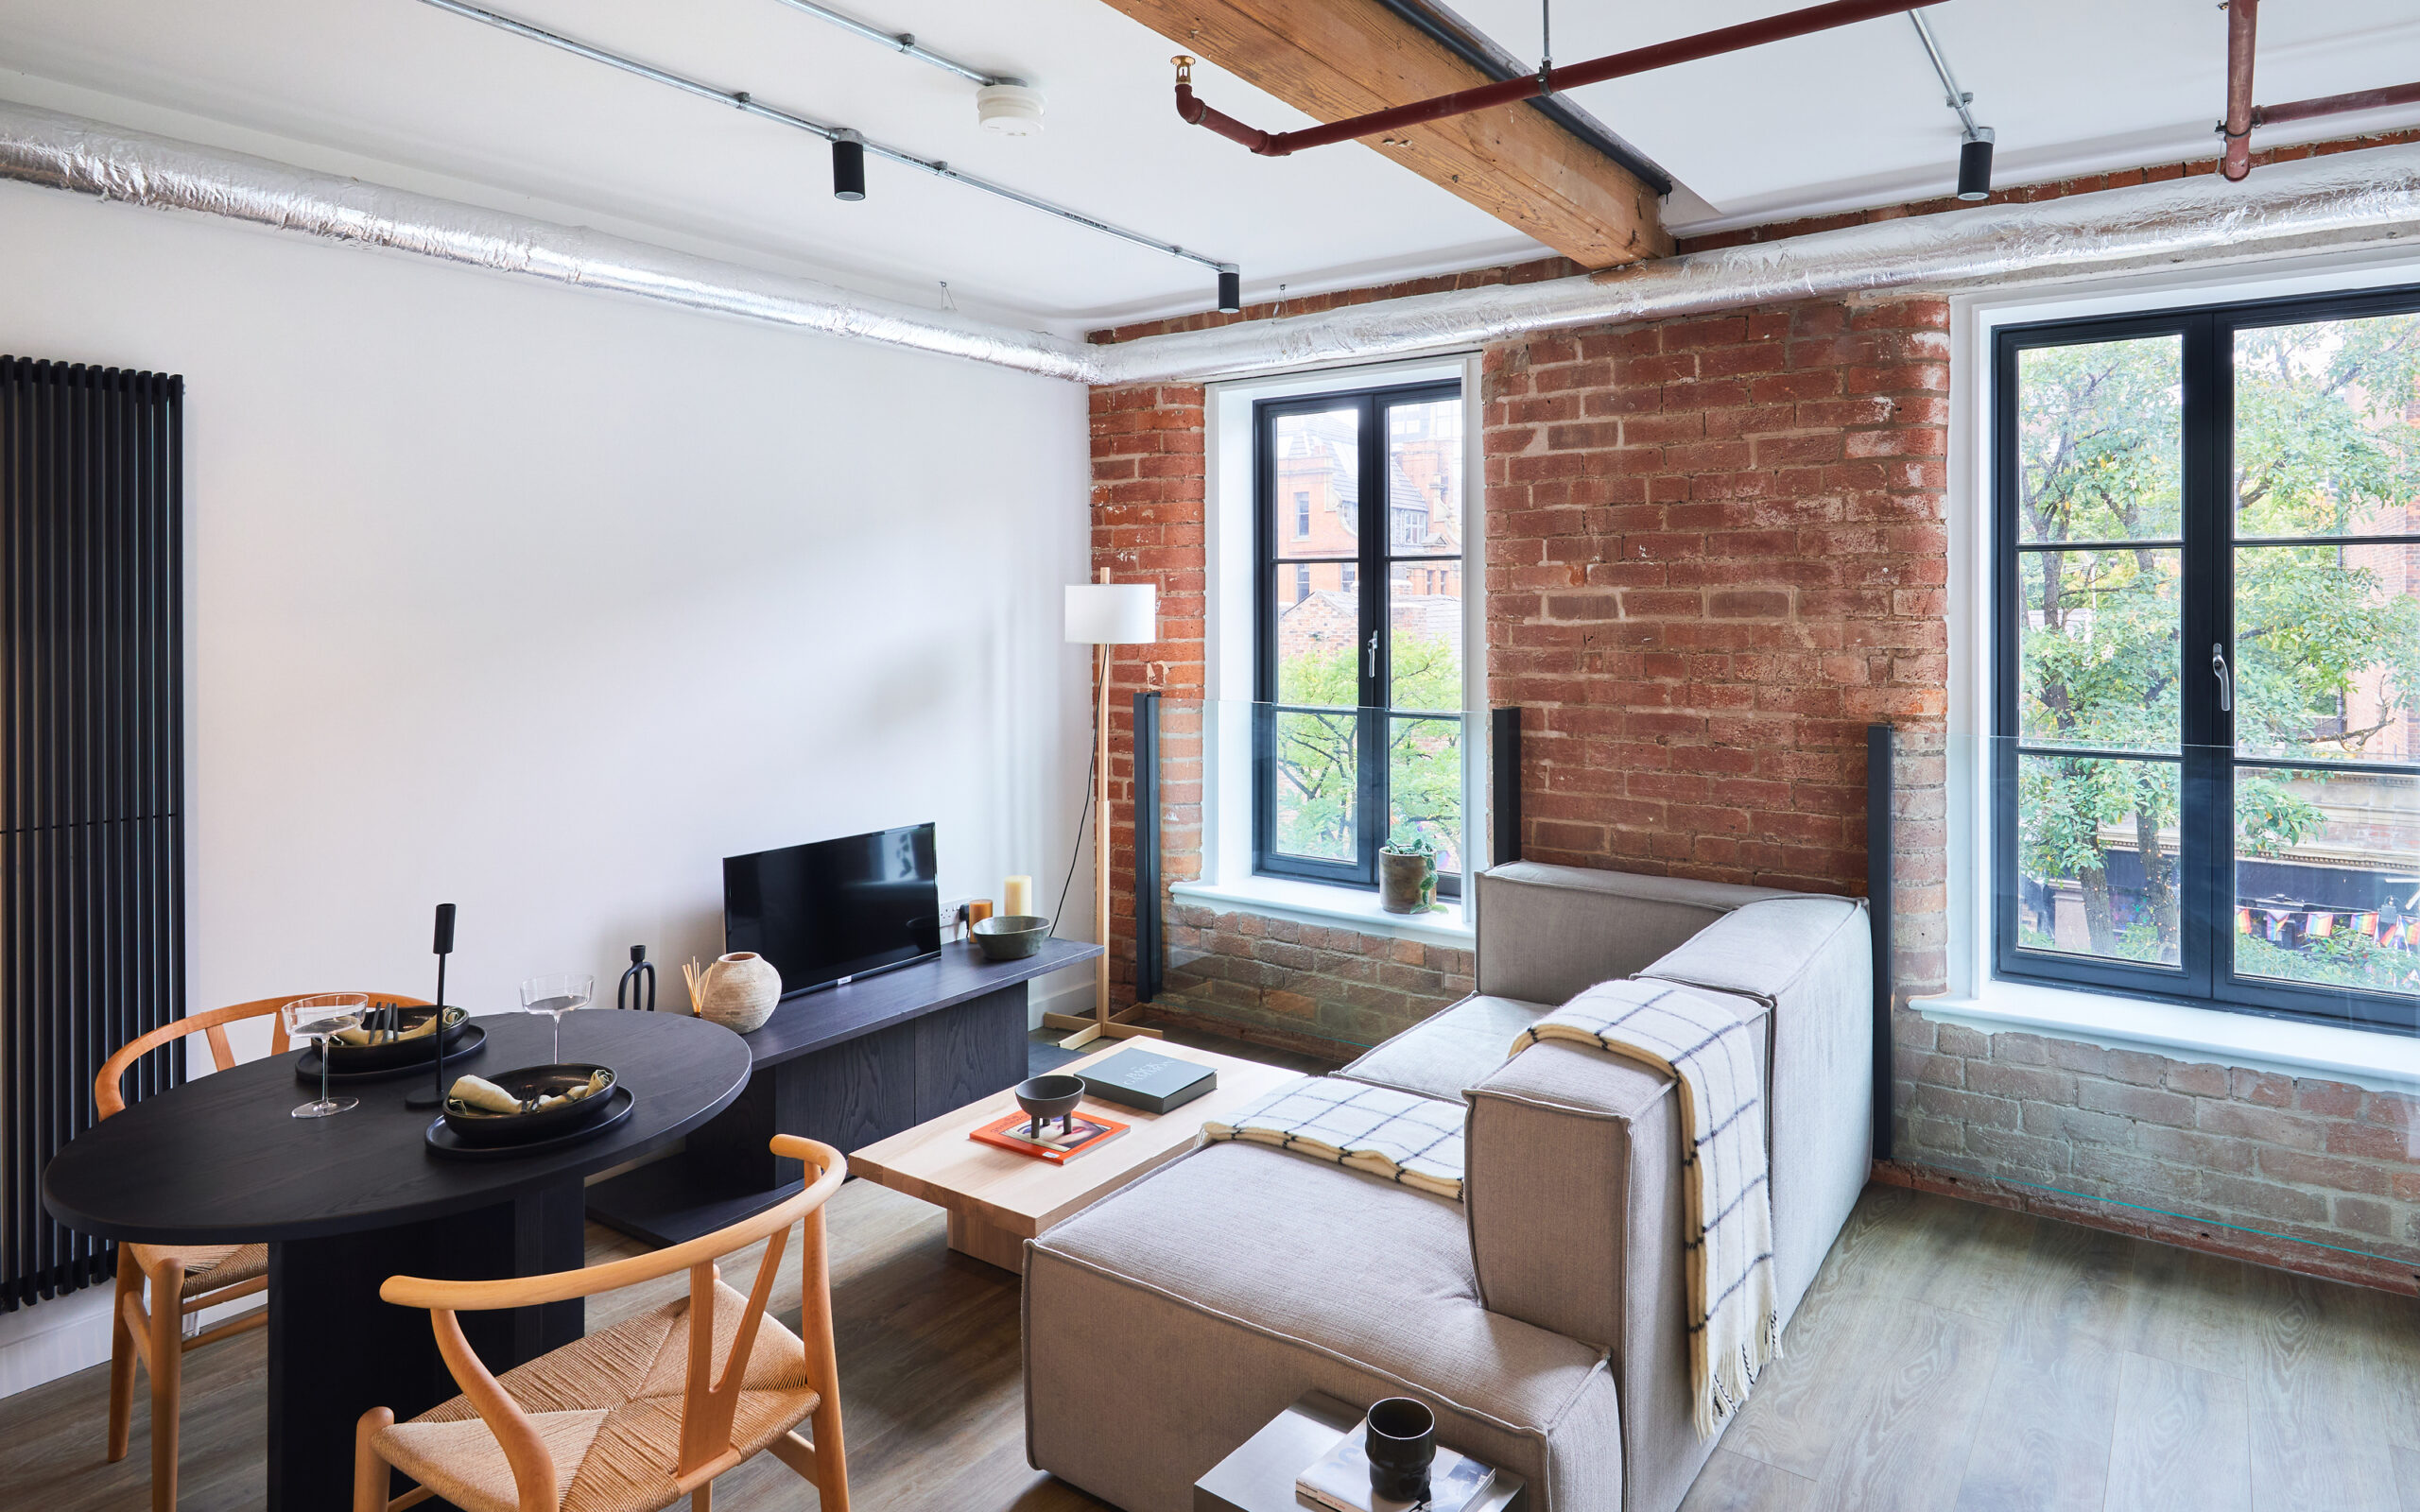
x=835, y=909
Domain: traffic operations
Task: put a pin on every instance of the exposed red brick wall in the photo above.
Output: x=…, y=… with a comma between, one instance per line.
x=1716, y=550
x=1149, y=482
x=1715, y=554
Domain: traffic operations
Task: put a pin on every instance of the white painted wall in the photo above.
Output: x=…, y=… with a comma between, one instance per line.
x=540, y=601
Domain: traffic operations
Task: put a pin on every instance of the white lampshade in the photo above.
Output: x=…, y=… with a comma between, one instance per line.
x=1113, y=613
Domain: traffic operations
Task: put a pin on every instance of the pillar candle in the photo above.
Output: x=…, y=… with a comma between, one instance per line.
x=1016, y=896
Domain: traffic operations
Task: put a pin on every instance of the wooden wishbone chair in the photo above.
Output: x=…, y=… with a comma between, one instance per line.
x=184, y=1278
x=635, y=1418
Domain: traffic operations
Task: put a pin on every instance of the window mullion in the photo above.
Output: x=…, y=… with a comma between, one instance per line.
x=1374, y=649
x=2205, y=827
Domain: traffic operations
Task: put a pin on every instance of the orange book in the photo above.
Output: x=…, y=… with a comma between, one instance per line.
x=1088, y=1131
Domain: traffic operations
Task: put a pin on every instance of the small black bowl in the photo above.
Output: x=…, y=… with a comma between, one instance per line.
x=1048, y=1097
x=475, y=1125
x=345, y=1060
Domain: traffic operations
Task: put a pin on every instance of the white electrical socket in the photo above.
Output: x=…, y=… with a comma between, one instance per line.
x=951, y=907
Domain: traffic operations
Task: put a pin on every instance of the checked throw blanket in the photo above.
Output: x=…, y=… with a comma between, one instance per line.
x=1414, y=1141
x=1735, y=1324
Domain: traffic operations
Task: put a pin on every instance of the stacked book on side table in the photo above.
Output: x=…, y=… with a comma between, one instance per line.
x=1310, y=1457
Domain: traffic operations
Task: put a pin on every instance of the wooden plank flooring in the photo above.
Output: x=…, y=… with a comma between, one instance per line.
x=1949, y=1357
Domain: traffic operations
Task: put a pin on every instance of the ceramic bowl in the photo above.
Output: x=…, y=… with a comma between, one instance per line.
x=1010, y=936
x=1044, y=1098
x=476, y=1126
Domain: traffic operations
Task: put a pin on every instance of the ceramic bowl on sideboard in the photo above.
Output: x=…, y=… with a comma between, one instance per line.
x=1010, y=936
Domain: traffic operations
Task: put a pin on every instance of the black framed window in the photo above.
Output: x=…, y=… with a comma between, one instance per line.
x=2206, y=648
x=1358, y=536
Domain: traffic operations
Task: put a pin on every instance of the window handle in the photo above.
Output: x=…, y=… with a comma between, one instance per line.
x=1373, y=653
x=2219, y=670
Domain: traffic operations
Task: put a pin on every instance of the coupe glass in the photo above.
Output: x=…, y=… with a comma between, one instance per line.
x=314, y=1019
x=555, y=996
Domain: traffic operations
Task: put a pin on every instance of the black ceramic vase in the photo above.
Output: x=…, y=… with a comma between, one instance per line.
x=1401, y=1443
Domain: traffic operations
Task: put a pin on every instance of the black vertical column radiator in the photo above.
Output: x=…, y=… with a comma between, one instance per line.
x=92, y=773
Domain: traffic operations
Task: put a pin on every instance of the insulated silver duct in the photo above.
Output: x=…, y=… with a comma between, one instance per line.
x=2347, y=200
x=67, y=152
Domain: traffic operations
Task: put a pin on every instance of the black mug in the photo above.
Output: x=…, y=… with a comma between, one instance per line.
x=1402, y=1444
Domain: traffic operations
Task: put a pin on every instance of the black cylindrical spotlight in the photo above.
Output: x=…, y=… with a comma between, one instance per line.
x=1231, y=294
x=1975, y=166
x=848, y=167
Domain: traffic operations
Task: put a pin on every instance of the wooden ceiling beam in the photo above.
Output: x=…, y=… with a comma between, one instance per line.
x=1335, y=58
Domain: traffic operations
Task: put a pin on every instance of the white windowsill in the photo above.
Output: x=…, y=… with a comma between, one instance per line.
x=2381, y=1062
x=1310, y=902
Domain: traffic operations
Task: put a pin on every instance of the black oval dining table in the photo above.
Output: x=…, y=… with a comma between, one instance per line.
x=346, y=1201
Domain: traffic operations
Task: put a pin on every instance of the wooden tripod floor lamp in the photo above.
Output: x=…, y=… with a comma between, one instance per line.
x=1103, y=615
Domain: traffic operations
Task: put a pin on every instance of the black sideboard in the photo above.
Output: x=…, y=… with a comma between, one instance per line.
x=847, y=1066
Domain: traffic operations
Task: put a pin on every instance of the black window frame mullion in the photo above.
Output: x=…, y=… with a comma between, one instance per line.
x=2208, y=756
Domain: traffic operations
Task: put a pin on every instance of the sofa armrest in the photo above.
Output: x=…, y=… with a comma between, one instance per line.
x=1575, y=1203
x=1809, y=960
x=1545, y=932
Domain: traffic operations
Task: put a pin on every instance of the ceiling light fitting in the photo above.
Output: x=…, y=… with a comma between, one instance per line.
x=748, y=104
x=1545, y=81
x=1974, y=148
x=848, y=166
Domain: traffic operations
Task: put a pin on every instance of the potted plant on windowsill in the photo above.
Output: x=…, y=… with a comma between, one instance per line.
x=1408, y=876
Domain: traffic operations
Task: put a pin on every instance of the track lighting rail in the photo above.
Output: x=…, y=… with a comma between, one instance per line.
x=1546, y=81
x=749, y=105
x=902, y=43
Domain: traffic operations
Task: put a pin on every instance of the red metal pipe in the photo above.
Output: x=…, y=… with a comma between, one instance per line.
x=2243, y=18
x=2364, y=100
x=1512, y=90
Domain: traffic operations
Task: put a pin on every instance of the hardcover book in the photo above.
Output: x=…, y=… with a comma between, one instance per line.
x=1088, y=1131
x=1341, y=1481
x=1147, y=1080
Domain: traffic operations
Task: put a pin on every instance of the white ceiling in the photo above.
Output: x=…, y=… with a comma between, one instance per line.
x=399, y=91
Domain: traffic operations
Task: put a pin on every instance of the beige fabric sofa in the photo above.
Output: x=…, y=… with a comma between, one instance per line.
x=1543, y=1316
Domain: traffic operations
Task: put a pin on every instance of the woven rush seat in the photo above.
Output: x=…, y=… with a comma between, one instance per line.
x=609, y=1409
x=208, y=1268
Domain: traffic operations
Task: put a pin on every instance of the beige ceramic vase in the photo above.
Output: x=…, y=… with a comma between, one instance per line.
x=739, y=991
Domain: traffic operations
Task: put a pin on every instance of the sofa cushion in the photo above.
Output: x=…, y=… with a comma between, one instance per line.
x=1447, y=1052
x=1548, y=932
x=1249, y=1276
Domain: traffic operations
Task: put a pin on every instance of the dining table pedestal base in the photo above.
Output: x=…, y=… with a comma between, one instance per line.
x=337, y=1351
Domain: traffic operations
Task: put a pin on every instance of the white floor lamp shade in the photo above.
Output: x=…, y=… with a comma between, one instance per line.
x=1113, y=613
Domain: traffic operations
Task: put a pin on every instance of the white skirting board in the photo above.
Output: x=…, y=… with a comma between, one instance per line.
x=1069, y=991
x=70, y=1334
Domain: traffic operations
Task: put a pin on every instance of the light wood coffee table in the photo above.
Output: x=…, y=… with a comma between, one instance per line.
x=998, y=1199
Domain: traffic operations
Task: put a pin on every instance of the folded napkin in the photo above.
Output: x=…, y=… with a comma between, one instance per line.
x=483, y=1094
x=476, y=1091
x=598, y=1081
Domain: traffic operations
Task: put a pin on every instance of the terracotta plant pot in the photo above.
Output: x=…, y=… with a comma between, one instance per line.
x=739, y=991
x=1403, y=882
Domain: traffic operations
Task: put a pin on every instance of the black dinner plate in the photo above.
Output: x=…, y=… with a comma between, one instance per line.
x=474, y=1126
x=444, y=1140
x=460, y=1044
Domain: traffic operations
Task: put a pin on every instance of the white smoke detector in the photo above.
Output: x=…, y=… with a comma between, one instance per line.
x=1011, y=109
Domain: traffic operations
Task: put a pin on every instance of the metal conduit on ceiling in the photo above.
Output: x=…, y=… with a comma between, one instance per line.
x=2344, y=202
